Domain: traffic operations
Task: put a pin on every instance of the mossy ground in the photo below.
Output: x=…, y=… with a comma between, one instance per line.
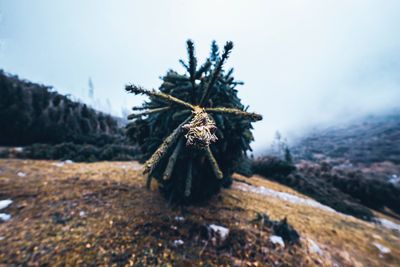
x=101, y=214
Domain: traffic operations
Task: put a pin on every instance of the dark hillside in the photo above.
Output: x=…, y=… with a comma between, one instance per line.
x=368, y=140
x=49, y=125
x=33, y=113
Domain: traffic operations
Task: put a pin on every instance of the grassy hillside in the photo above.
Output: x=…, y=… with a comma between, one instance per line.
x=100, y=213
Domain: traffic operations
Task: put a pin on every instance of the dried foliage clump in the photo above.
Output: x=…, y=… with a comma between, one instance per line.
x=194, y=132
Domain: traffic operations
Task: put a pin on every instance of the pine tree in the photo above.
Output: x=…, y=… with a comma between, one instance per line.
x=194, y=132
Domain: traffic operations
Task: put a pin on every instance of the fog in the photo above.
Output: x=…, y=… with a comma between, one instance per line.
x=304, y=63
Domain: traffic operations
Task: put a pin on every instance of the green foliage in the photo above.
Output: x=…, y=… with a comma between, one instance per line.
x=204, y=92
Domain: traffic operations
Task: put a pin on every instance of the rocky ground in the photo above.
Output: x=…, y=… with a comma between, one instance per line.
x=65, y=213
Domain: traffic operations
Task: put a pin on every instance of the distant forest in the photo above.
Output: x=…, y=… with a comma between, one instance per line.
x=32, y=114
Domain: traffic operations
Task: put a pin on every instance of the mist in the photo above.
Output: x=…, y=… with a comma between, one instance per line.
x=304, y=63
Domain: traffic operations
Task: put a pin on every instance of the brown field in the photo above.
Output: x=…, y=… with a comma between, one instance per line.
x=101, y=214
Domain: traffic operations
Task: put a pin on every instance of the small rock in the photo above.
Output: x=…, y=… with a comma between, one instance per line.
x=21, y=174
x=178, y=243
x=5, y=203
x=1, y=238
x=82, y=214
x=68, y=161
x=277, y=240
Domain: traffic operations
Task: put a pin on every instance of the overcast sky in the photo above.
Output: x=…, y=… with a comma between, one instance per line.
x=303, y=62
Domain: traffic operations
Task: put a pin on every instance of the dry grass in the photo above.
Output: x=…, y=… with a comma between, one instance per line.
x=101, y=214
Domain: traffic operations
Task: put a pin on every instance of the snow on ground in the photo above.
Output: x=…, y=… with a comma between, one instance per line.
x=4, y=217
x=21, y=174
x=178, y=243
x=382, y=249
x=389, y=224
x=277, y=240
x=281, y=195
x=223, y=231
x=303, y=201
x=62, y=163
x=313, y=246
x=134, y=166
x=5, y=203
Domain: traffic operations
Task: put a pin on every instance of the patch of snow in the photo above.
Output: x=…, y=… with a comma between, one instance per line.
x=382, y=248
x=59, y=164
x=313, y=246
x=222, y=231
x=178, y=242
x=1, y=238
x=394, y=179
x=21, y=174
x=282, y=195
x=68, y=161
x=389, y=224
x=82, y=214
x=275, y=239
x=179, y=219
x=134, y=166
x=5, y=203
x=18, y=149
x=4, y=217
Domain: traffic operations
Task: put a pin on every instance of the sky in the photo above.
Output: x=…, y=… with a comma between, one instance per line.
x=304, y=62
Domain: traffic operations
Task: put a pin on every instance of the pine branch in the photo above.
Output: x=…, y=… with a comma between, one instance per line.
x=147, y=112
x=184, y=64
x=163, y=148
x=214, y=55
x=233, y=111
x=214, y=164
x=192, y=65
x=172, y=160
x=204, y=68
x=227, y=49
x=139, y=108
x=137, y=90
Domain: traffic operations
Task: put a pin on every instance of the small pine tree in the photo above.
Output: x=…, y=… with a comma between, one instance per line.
x=194, y=132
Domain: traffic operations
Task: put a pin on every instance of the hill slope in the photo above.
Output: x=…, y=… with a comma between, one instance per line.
x=368, y=140
x=34, y=113
x=100, y=213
